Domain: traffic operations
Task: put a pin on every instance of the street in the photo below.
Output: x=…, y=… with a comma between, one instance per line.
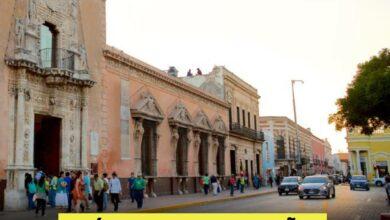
x=348, y=205
x=354, y=205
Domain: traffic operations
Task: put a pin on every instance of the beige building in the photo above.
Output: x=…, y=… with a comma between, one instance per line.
x=286, y=146
x=245, y=137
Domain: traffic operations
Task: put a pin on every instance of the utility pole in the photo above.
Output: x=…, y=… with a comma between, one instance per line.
x=299, y=162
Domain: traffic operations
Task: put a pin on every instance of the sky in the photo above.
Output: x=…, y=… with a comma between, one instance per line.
x=266, y=43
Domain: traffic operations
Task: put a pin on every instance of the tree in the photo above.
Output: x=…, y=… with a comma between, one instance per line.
x=367, y=102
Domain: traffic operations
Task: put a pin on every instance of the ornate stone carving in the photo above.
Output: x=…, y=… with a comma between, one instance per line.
x=83, y=58
x=138, y=129
x=27, y=95
x=201, y=121
x=32, y=10
x=71, y=139
x=73, y=104
x=174, y=137
x=180, y=116
x=190, y=136
x=27, y=134
x=229, y=95
x=52, y=100
x=20, y=30
x=197, y=140
x=219, y=125
x=147, y=107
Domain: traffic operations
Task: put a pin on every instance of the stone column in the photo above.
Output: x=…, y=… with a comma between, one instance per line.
x=83, y=129
x=359, y=168
x=352, y=170
x=210, y=155
x=15, y=197
x=20, y=118
x=138, y=133
x=174, y=141
x=196, y=147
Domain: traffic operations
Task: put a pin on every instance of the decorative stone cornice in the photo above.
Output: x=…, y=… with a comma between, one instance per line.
x=53, y=76
x=147, y=108
x=127, y=60
x=219, y=126
x=202, y=122
x=180, y=116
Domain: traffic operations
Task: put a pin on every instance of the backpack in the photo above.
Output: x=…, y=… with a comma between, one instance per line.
x=105, y=186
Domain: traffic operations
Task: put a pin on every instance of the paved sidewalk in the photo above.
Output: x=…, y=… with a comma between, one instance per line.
x=163, y=203
x=158, y=204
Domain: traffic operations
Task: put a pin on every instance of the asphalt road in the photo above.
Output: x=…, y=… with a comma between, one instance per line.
x=348, y=205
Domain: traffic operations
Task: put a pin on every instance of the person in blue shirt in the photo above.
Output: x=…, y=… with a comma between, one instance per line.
x=130, y=185
x=68, y=181
x=87, y=192
x=30, y=190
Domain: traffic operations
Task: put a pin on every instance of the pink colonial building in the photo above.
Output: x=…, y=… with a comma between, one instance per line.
x=318, y=149
x=70, y=102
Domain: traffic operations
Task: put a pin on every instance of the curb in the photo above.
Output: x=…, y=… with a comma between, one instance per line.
x=199, y=203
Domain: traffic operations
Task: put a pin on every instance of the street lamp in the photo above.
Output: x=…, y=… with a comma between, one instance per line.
x=299, y=162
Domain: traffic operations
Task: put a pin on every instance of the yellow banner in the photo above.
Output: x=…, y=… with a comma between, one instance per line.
x=230, y=216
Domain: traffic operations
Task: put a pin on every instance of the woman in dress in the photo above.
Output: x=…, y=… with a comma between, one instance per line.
x=61, y=196
x=78, y=192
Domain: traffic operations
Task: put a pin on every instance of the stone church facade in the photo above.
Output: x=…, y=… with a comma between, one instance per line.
x=70, y=102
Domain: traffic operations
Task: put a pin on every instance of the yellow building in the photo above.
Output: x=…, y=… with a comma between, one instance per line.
x=369, y=155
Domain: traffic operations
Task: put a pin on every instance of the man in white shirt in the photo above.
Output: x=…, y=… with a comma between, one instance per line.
x=115, y=190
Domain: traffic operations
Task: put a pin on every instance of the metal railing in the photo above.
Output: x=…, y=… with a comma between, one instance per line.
x=57, y=58
x=247, y=132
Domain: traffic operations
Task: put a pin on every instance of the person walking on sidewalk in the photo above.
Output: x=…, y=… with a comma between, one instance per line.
x=130, y=186
x=206, y=183
x=214, y=183
x=98, y=190
x=40, y=195
x=270, y=180
x=106, y=191
x=139, y=187
x=115, y=190
x=242, y=183
x=256, y=181
x=87, y=191
x=30, y=190
x=61, y=196
x=68, y=180
x=232, y=184
x=53, y=191
x=78, y=192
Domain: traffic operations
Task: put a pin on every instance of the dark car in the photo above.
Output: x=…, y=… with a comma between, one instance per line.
x=334, y=179
x=359, y=181
x=319, y=185
x=289, y=185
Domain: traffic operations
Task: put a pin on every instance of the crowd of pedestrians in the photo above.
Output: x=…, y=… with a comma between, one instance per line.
x=76, y=191
x=235, y=182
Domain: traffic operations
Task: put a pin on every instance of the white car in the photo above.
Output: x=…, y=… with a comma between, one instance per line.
x=379, y=181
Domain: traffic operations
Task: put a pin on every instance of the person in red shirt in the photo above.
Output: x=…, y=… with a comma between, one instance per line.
x=232, y=183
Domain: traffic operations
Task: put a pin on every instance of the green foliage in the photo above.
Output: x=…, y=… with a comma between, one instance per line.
x=367, y=103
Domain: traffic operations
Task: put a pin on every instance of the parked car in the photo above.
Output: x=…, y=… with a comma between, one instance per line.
x=359, y=181
x=379, y=181
x=318, y=185
x=289, y=185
